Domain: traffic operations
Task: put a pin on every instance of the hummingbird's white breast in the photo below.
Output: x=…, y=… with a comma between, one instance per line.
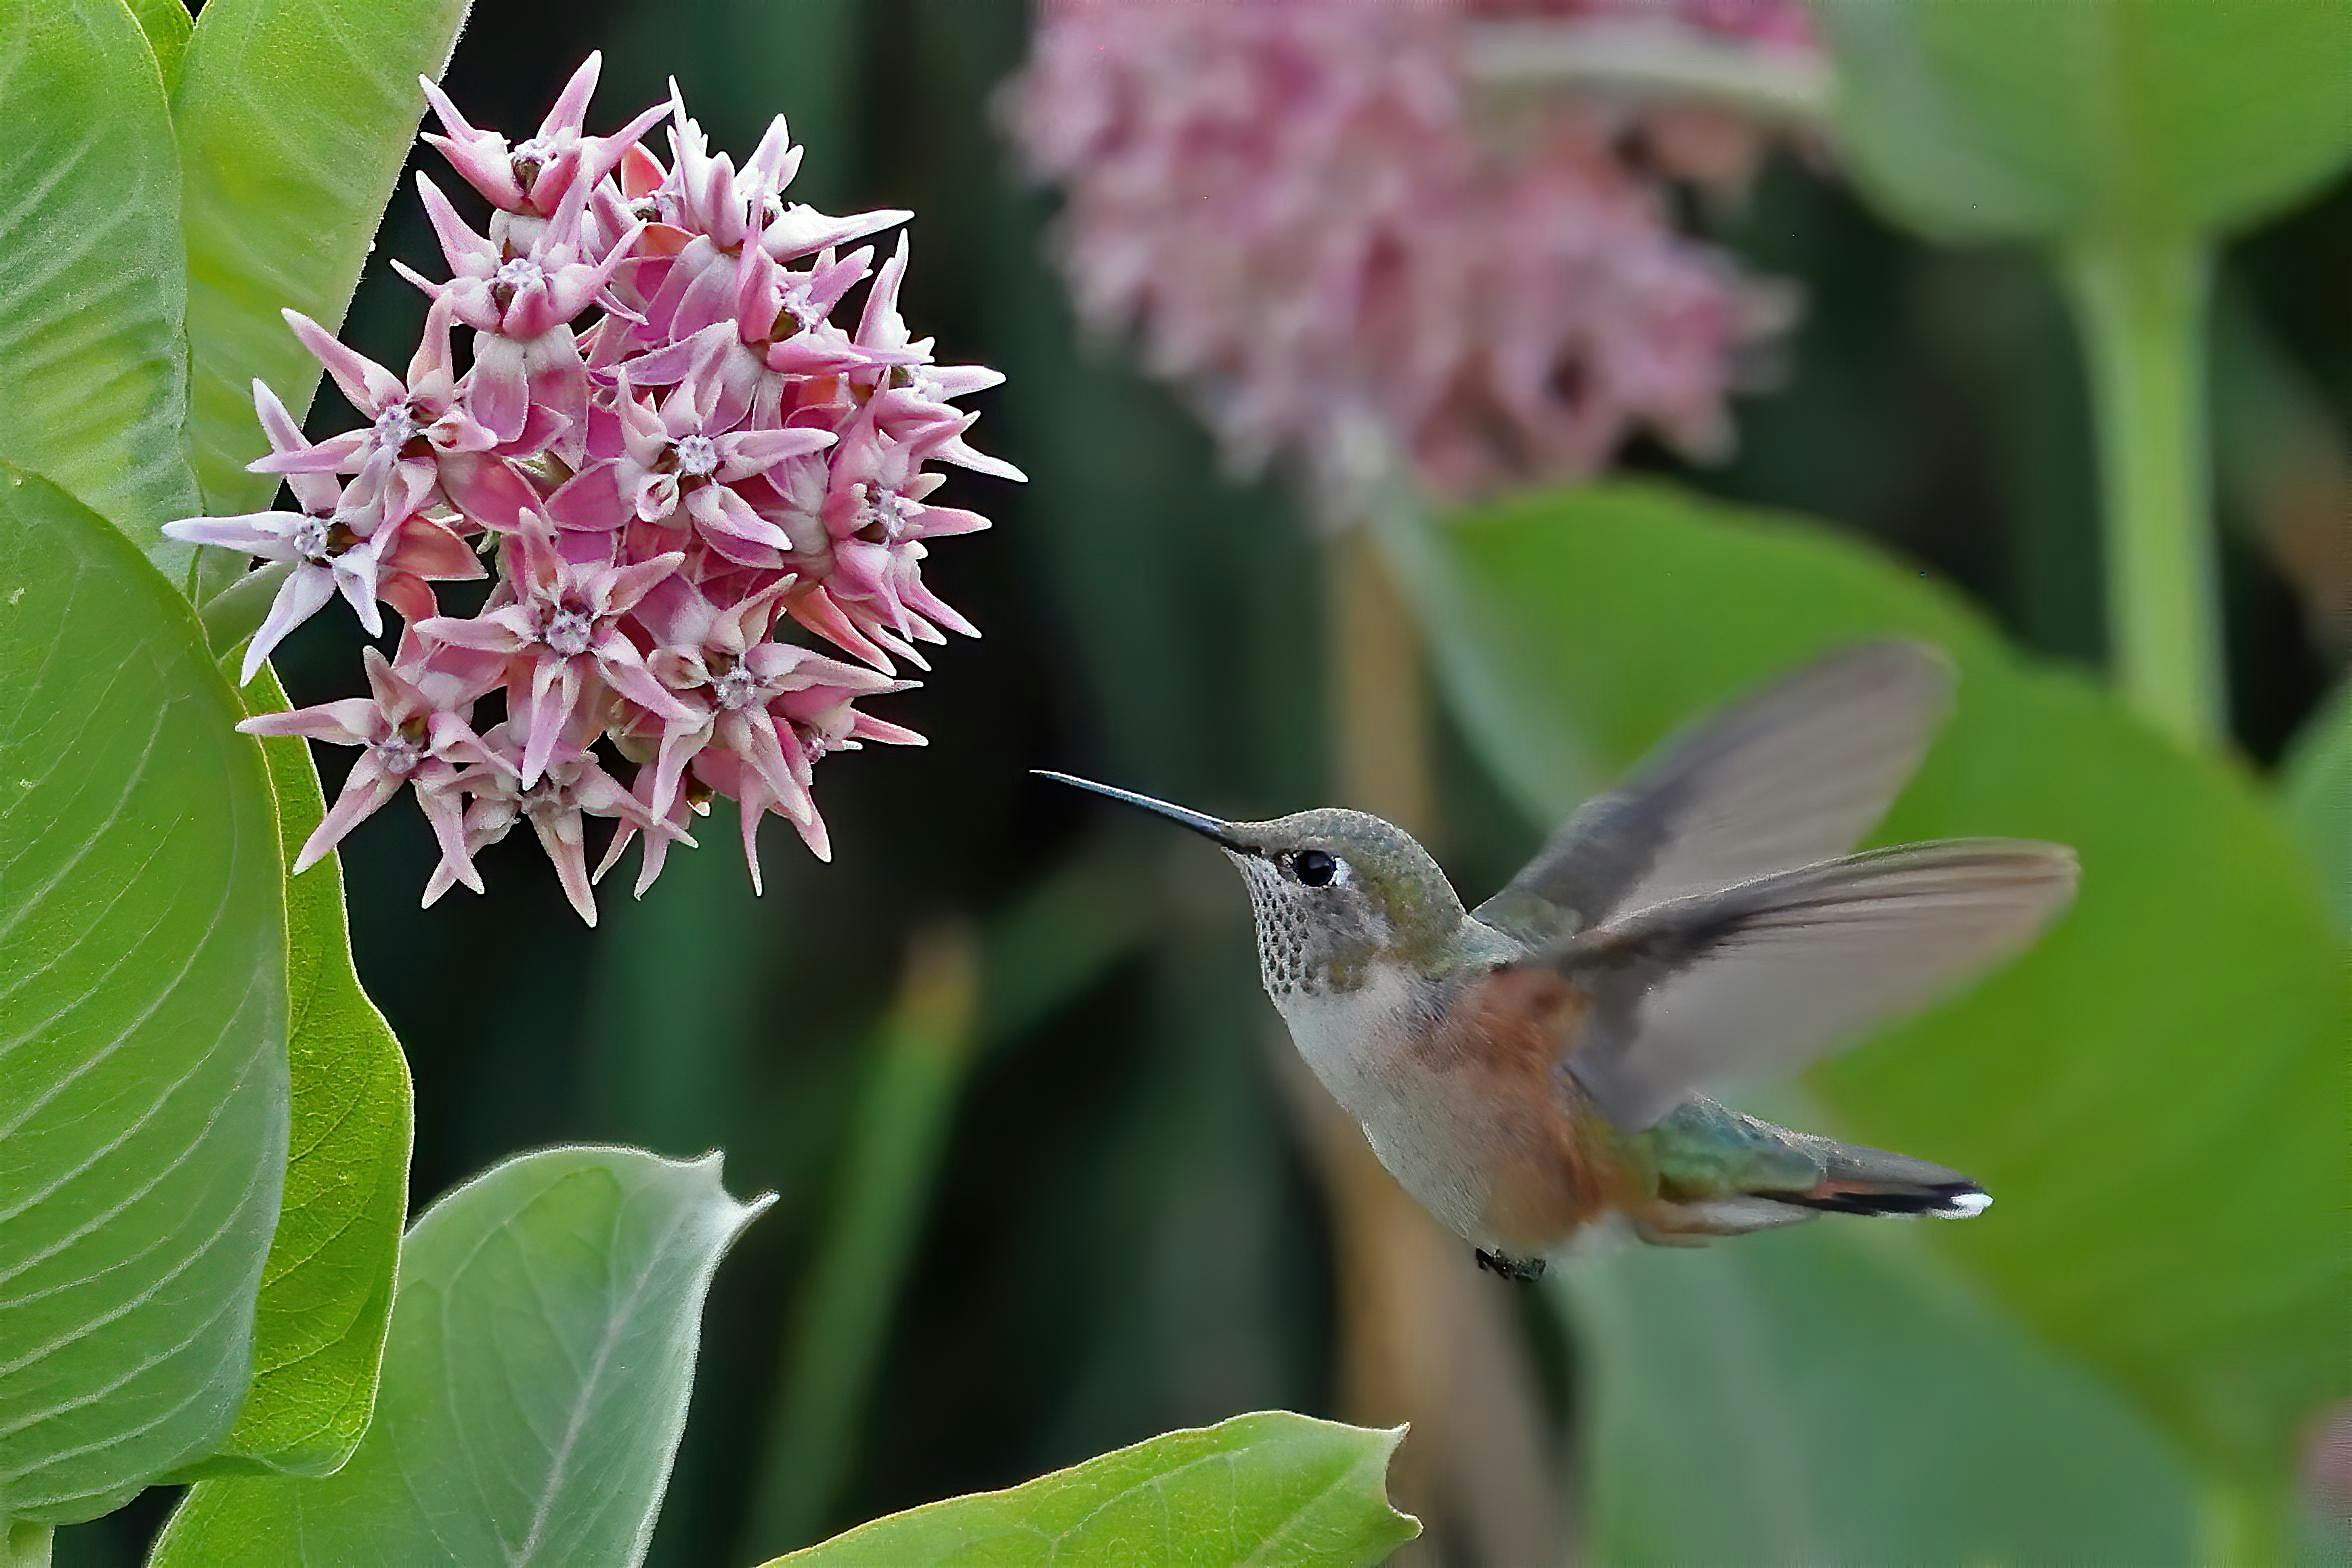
x=1359, y=1045
x=1356, y=1013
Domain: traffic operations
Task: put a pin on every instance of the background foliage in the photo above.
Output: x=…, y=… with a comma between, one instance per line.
x=1058, y=1185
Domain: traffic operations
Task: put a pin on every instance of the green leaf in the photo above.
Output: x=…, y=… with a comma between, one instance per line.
x=1970, y=120
x=2315, y=785
x=294, y=118
x=167, y=25
x=24, y=1545
x=93, y=367
x=2140, y=1087
x=1272, y=1488
x=1831, y=1395
x=142, y=1021
x=534, y=1384
x=326, y=1296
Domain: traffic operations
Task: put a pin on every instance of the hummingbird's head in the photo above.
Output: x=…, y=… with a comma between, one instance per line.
x=1334, y=892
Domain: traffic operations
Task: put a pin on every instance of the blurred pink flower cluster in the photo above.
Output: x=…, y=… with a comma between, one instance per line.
x=1323, y=229
x=668, y=447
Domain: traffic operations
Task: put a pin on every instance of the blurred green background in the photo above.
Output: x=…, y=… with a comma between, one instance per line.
x=1043, y=1188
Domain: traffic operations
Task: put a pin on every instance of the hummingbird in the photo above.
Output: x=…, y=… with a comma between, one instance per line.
x=1531, y=1070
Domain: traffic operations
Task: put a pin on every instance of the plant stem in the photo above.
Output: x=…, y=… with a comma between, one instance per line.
x=237, y=611
x=893, y=1147
x=2243, y=1522
x=1379, y=713
x=1379, y=688
x=24, y=1545
x=700, y=949
x=1052, y=944
x=2140, y=308
x=1421, y=1339
x=1638, y=61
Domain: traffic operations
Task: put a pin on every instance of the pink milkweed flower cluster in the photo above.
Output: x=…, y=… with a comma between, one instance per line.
x=669, y=440
x=1320, y=227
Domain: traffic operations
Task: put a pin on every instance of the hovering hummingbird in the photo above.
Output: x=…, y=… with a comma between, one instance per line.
x=1531, y=1068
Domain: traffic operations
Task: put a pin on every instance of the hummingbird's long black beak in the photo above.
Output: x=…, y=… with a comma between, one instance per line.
x=1206, y=826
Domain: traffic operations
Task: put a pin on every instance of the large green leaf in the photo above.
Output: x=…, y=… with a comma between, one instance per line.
x=167, y=25
x=1976, y=120
x=2157, y=1081
x=142, y=1020
x=93, y=367
x=2316, y=792
x=534, y=1384
x=326, y=1296
x=1830, y=1395
x=1273, y=1488
x=294, y=118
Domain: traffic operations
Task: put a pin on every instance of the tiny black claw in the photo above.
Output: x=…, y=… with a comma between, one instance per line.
x=1524, y=1270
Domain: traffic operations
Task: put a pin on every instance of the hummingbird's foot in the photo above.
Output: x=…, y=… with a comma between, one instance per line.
x=1525, y=1270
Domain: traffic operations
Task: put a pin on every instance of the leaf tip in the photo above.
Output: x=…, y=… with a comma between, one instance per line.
x=710, y=1167
x=1409, y=1524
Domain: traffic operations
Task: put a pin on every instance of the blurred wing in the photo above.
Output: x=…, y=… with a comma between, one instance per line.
x=1791, y=775
x=1767, y=976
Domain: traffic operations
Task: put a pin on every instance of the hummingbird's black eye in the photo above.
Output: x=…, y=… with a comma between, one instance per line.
x=1314, y=867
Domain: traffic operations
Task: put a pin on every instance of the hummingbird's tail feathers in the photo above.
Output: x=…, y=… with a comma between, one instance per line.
x=1689, y=1222
x=1856, y=1180
x=1783, y=777
x=1955, y=1200
x=1769, y=975
x=1724, y=1173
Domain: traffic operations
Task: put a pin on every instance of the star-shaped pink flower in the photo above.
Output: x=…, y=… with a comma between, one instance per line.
x=574, y=786
x=534, y=175
x=915, y=398
x=779, y=328
x=521, y=301
x=671, y=443
x=410, y=422
x=686, y=803
x=340, y=541
x=679, y=454
x=870, y=597
x=412, y=730
x=561, y=628
x=757, y=699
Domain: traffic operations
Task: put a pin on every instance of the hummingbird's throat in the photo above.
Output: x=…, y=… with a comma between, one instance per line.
x=1310, y=941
